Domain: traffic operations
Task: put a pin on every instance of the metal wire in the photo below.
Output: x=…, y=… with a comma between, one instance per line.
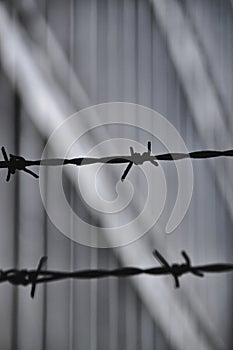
x=26, y=277
x=14, y=163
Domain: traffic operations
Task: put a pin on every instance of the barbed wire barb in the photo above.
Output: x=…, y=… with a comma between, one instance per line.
x=15, y=163
x=139, y=159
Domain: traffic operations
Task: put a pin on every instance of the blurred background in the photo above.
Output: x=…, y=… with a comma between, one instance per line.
x=174, y=56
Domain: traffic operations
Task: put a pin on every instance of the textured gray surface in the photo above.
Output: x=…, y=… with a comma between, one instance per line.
x=120, y=53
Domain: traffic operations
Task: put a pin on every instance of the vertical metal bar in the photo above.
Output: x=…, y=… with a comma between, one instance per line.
x=72, y=293
x=6, y=214
x=94, y=251
x=45, y=224
x=16, y=102
x=71, y=192
x=130, y=76
x=17, y=108
x=93, y=302
x=45, y=299
x=131, y=318
x=58, y=247
x=30, y=241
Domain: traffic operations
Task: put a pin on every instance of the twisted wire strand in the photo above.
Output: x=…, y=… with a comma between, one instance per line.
x=26, y=277
x=15, y=163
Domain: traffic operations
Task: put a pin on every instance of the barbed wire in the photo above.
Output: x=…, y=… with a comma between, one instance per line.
x=26, y=277
x=15, y=163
